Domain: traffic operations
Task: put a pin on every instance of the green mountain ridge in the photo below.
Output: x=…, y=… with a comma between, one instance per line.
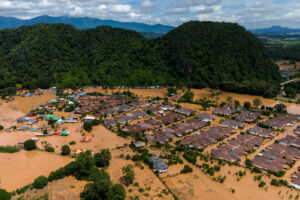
x=196, y=54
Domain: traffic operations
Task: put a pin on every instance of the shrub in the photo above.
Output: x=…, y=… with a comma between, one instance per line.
x=186, y=169
x=49, y=149
x=117, y=192
x=136, y=157
x=65, y=150
x=40, y=182
x=141, y=190
x=127, y=157
x=256, y=170
x=1, y=127
x=261, y=184
x=274, y=182
x=29, y=145
x=72, y=143
x=248, y=163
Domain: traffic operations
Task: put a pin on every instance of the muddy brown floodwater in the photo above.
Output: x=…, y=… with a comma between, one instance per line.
x=10, y=111
x=20, y=169
x=102, y=138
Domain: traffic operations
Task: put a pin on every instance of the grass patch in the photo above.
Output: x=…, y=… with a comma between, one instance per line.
x=9, y=149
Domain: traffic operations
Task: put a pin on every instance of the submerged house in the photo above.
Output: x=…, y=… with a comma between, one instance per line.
x=159, y=164
x=22, y=119
x=22, y=128
x=205, y=117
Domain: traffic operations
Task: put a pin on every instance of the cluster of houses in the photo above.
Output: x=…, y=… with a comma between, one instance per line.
x=248, y=117
x=277, y=156
x=281, y=121
x=235, y=148
x=207, y=137
x=123, y=119
x=225, y=110
x=102, y=106
x=233, y=124
x=261, y=132
x=178, y=129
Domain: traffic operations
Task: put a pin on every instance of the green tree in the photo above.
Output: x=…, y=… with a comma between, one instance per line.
x=257, y=102
x=237, y=103
x=65, y=150
x=102, y=159
x=4, y=195
x=290, y=92
x=281, y=108
x=247, y=104
x=129, y=174
x=87, y=126
x=29, y=145
x=229, y=100
x=99, y=188
x=205, y=103
x=117, y=192
x=187, y=96
x=85, y=163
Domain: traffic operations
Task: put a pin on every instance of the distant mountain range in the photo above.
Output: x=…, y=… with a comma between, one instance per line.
x=84, y=23
x=274, y=30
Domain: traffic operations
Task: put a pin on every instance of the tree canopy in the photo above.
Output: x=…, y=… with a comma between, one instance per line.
x=196, y=54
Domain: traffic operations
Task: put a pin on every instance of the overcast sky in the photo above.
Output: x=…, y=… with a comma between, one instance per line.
x=249, y=13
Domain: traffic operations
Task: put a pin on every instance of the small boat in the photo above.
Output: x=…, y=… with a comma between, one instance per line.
x=50, y=134
x=35, y=139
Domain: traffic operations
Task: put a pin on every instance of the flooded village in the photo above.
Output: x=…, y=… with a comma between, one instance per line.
x=223, y=149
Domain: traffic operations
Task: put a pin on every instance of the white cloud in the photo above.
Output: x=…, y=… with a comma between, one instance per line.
x=250, y=13
x=121, y=8
x=147, y=4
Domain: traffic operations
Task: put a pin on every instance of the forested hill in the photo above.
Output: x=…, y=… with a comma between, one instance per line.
x=196, y=54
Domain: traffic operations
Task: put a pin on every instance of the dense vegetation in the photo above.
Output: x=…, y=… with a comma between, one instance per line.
x=282, y=46
x=196, y=54
x=4, y=195
x=285, y=53
x=9, y=149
